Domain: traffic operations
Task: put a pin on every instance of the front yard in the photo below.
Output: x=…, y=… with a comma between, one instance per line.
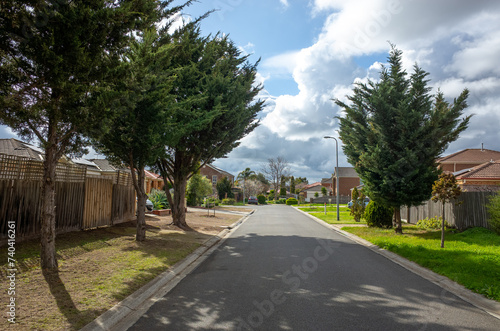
x=470, y=258
x=97, y=269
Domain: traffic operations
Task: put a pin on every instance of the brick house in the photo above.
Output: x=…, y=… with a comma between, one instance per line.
x=484, y=177
x=348, y=179
x=467, y=159
x=310, y=190
x=215, y=174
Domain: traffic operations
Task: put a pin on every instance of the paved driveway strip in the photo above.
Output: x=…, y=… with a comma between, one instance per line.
x=280, y=270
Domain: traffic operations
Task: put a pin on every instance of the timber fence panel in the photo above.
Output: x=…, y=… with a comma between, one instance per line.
x=69, y=206
x=98, y=200
x=123, y=209
x=471, y=210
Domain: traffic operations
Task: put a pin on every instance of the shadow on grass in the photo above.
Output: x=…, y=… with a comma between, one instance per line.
x=65, y=303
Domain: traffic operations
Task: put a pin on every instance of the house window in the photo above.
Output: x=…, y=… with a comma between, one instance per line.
x=214, y=179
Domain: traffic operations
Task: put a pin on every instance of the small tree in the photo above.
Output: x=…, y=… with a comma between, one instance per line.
x=324, y=191
x=445, y=189
x=358, y=204
x=292, y=185
x=224, y=188
x=274, y=170
x=316, y=194
x=493, y=207
x=198, y=187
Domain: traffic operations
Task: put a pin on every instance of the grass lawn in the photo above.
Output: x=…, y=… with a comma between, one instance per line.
x=470, y=258
x=331, y=214
x=97, y=269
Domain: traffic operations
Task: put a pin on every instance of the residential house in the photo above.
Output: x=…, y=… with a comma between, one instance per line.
x=215, y=174
x=348, y=179
x=484, y=177
x=152, y=181
x=467, y=159
x=309, y=191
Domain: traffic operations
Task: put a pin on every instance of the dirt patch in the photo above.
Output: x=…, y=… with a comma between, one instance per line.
x=97, y=269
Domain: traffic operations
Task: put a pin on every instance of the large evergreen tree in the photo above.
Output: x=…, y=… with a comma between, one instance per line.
x=394, y=130
x=137, y=135
x=55, y=57
x=214, y=107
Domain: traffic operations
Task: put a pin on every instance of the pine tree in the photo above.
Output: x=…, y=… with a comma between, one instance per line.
x=393, y=132
x=214, y=108
x=56, y=57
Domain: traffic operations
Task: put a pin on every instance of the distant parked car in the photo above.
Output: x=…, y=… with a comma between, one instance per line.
x=253, y=200
x=367, y=201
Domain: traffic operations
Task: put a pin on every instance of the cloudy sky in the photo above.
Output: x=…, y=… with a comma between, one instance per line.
x=312, y=51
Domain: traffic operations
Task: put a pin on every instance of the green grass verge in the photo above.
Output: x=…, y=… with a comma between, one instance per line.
x=470, y=258
x=331, y=214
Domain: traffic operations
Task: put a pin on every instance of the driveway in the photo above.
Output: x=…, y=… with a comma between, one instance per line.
x=280, y=270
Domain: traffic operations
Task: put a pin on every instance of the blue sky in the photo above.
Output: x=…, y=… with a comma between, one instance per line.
x=312, y=51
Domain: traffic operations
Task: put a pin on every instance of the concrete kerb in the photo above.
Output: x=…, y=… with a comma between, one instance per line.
x=125, y=313
x=489, y=306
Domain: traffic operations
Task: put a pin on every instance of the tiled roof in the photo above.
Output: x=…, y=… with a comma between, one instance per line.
x=18, y=148
x=104, y=165
x=347, y=172
x=311, y=186
x=219, y=170
x=488, y=170
x=152, y=175
x=471, y=156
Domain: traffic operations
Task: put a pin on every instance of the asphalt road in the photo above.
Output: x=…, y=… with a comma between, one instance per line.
x=280, y=270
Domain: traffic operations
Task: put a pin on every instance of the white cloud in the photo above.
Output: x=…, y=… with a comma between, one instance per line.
x=457, y=42
x=284, y=3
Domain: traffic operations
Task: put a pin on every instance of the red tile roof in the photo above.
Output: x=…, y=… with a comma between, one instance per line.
x=152, y=175
x=471, y=155
x=488, y=170
x=311, y=186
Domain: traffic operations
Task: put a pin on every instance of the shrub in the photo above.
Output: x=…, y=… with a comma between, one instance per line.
x=494, y=212
x=261, y=199
x=378, y=215
x=291, y=201
x=432, y=223
x=159, y=199
x=281, y=201
x=229, y=201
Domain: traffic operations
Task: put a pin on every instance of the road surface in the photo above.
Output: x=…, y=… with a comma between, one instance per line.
x=280, y=270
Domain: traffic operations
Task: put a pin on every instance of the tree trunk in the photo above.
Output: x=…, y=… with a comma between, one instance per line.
x=179, y=203
x=141, y=207
x=48, y=217
x=442, y=228
x=397, y=216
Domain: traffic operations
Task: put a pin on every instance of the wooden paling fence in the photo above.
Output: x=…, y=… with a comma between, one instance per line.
x=469, y=210
x=82, y=202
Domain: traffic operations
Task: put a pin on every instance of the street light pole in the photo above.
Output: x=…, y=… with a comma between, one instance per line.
x=336, y=172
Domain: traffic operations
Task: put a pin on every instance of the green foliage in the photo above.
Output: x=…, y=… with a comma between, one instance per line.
x=224, y=187
x=228, y=201
x=433, y=223
x=378, y=215
x=358, y=204
x=292, y=201
x=159, y=199
x=324, y=191
x=316, y=194
x=210, y=202
x=394, y=130
x=281, y=201
x=261, y=199
x=215, y=104
x=198, y=187
x=292, y=185
x=493, y=207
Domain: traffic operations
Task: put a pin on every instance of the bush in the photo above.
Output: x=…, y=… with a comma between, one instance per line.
x=292, y=201
x=261, y=199
x=432, y=223
x=378, y=215
x=494, y=212
x=159, y=199
x=281, y=201
x=229, y=201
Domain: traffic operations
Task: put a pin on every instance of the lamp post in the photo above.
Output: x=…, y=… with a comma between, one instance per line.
x=336, y=171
